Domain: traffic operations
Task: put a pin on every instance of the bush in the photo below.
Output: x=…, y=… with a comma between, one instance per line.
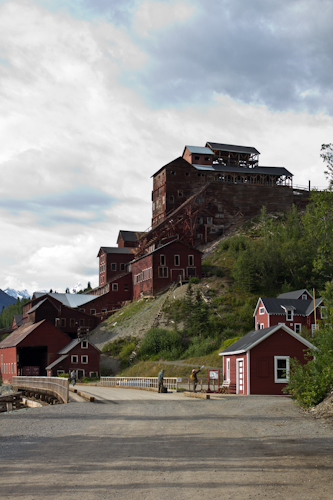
x=194, y=280
x=158, y=340
x=201, y=347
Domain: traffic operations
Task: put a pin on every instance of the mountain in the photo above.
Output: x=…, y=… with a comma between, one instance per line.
x=17, y=294
x=5, y=300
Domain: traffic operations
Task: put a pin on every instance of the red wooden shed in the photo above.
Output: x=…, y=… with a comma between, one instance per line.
x=258, y=363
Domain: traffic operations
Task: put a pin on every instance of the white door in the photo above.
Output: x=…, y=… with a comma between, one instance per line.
x=240, y=376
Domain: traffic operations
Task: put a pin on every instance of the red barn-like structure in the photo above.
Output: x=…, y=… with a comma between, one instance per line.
x=258, y=363
x=29, y=349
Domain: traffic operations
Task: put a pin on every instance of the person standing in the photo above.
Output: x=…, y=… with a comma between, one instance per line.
x=194, y=377
x=73, y=377
x=160, y=380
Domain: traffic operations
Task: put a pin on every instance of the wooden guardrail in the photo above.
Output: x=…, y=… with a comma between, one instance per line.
x=53, y=386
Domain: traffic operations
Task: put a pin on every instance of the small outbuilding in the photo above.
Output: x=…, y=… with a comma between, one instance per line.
x=79, y=355
x=258, y=363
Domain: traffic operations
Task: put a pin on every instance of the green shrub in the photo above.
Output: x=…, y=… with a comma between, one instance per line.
x=194, y=280
x=201, y=347
x=158, y=340
x=126, y=352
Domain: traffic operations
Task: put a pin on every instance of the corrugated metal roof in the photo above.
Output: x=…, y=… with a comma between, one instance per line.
x=19, y=334
x=199, y=150
x=72, y=300
x=232, y=148
x=56, y=362
x=244, y=170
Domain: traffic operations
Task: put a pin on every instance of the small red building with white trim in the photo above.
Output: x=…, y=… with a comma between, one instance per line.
x=79, y=355
x=258, y=363
x=294, y=309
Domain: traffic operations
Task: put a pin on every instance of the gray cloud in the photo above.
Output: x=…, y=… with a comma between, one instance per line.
x=273, y=53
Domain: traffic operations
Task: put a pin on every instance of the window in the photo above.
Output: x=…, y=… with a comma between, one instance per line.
x=177, y=260
x=72, y=322
x=59, y=372
x=180, y=193
x=197, y=157
x=126, y=287
x=115, y=287
x=74, y=358
x=262, y=326
x=104, y=310
x=261, y=310
x=281, y=369
x=63, y=322
x=81, y=322
x=187, y=174
x=173, y=172
x=162, y=272
x=290, y=314
x=323, y=312
x=92, y=311
x=122, y=267
x=200, y=220
x=191, y=260
x=93, y=374
x=84, y=344
x=172, y=199
x=298, y=327
x=162, y=260
x=314, y=327
x=209, y=220
x=82, y=310
x=191, y=272
x=113, y=266
x=84, y=359
x=304, y=296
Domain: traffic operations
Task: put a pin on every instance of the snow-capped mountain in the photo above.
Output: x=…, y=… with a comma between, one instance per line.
x=17, y=294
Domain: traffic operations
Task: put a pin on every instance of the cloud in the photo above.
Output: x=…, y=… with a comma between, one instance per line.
x=97, y=96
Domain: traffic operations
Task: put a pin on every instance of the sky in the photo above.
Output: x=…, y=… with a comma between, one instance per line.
x=97, y=95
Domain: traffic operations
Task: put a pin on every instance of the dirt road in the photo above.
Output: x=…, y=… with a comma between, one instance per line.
x=166, y=448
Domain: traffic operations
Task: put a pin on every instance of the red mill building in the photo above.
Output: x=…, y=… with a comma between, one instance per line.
x=229, y=181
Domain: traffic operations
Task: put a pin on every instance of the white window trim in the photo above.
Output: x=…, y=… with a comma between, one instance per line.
x=281, y=380
x=74, y=358
x=114, y=287
x=227, y=371
x=82, y=359
x=323, y=312
x=60, y=371
x=261, y=310
x=93, y=373
x=86, y=344
x=296, y=326
x=291, y=312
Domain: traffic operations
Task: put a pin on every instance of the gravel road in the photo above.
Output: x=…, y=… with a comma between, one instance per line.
x=168, y=447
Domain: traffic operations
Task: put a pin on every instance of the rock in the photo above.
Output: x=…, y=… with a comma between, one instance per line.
x=6, y=389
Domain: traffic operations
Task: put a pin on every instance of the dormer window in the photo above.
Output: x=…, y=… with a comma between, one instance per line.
x=290, y=314
x=304, y=296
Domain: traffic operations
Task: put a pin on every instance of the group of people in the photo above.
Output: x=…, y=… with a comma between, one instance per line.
x=193, y=377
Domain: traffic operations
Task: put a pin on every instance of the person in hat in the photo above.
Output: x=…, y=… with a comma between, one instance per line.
x=194, y=377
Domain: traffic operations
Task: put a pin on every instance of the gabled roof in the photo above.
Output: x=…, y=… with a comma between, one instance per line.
x=18, y=319
x=21, y=333
x=166, y=245
x=199, y=150
x=72, y=300
x=36, y=306
x=231, y=148
x=56, y=362
x=296, y=294
x=179, y=160
x=66, y=350
x=254, y=338
x=117, y=250
x=278, y=306
x=130, y=235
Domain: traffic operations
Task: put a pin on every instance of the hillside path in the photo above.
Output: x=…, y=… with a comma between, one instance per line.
x=233, y=447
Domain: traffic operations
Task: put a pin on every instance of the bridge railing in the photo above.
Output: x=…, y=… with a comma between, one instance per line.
x=171, y=383
x=53, y=386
